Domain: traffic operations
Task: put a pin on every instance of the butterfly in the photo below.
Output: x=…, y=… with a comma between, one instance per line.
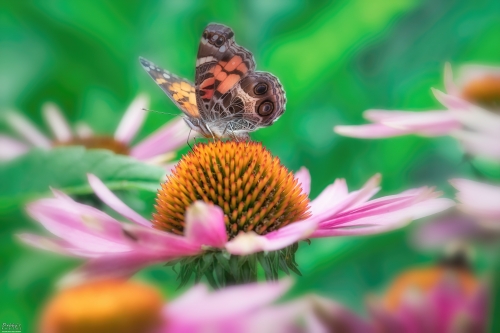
x=229, y=98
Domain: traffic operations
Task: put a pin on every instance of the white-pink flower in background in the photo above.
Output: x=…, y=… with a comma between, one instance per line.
x=156, y=148
x=471, y=114
x=226, y=208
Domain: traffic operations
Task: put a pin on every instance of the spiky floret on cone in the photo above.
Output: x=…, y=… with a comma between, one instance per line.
x=255, y=191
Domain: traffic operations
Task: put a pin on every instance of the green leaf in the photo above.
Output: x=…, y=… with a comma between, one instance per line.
x=66, y=169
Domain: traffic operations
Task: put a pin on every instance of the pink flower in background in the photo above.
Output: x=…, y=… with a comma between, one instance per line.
x=432, y=300
x=130, y=306
x=428, y=300
x=478, y=220
x=156, y=148
x=471, y=115
x=115, y=248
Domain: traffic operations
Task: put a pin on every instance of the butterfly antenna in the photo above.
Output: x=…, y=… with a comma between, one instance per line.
x=149, y=110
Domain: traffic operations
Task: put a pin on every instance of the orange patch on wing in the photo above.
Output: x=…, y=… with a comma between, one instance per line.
x=192, y=98
x=242, y=68
x=222, y=76
x=185, y=86
x=175, y=87
x=228, y=83
x=233, y=63
x=191, y=109
x=208, y=94
x=207, y=82
x=160, y=80
x=216, y=70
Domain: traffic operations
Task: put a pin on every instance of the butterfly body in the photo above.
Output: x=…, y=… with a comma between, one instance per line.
x=229, y=98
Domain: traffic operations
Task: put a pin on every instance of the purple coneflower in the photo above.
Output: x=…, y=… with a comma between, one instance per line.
x=471, y=116
x=156, y=148
x=227, y=208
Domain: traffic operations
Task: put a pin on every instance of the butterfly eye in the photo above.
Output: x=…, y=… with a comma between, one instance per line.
x=220, y=41
x=260, y=88
x=265, y=108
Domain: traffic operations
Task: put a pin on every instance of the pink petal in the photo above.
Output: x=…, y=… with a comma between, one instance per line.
x=26, y=129
x=472, y=72
x=479, y=144
x=116, y=204
x=304, y=178
x=478, y=198
x=225, y=304
x=449, y=83
x=56, y=121
x=369, y=131
x=171, y=136
x=428, y=122
x=132, y=120
x=480, y=120
x=121, y=265
x=353, y=199
x=378, y=115
x=205, y=225
x=83, y=226
x=249, y=242
x=161, y=242
x=329, y=197
x=451, y=102
x=11, y=148
x=384, y=221
x=55, y=245
x=83, y=130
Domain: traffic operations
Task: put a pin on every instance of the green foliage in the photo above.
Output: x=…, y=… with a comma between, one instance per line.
x=66, y=169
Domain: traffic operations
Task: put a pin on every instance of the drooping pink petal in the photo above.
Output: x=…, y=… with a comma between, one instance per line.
x=56, y=121
x=132, y=120
x=83, y=226
x=370, y=131
x=249, y=242
x=379, y=115
x=449, y=83
x=226, y=303
x=352, y=199
x=171, y=136
x=479, y=119
x=205, y=225
x=479, y=199
x=383, y=214
x=55, y=245
x=451, y=102
x=329, y=197
x=304, y=178
x=161, y=242
x=121, y=265
x=11, y=148
x=116, y=204
x=27, y=130
x=479, y=144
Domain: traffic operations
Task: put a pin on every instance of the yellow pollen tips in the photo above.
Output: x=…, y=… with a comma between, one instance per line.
x=484, y=91
x=103, y=306
x=97, y=142
x=251, y=186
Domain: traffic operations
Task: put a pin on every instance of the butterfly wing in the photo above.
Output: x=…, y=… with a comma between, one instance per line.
x=180, y=91
x=220, y=66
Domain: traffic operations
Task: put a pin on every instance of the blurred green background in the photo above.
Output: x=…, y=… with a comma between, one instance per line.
x=335, y=59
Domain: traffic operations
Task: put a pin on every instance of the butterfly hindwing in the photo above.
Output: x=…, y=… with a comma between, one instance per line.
x=220, y=66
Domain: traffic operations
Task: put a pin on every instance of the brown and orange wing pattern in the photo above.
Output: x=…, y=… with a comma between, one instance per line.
x=180, y=91
x=220, y=65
